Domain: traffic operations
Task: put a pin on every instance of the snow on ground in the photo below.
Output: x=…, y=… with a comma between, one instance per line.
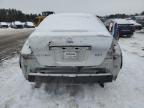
x=134, y=45
x=126, y=92
x=11, y=31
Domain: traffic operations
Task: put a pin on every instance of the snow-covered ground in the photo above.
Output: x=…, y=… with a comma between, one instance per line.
x=126, y=92
x=134, y=45
x=11, y=31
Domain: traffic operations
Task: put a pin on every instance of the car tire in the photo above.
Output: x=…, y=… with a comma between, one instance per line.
x=37, y=82
x=129, y=36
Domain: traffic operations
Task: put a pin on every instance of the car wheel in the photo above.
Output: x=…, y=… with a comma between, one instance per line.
x=37, y=82
x=129, y=35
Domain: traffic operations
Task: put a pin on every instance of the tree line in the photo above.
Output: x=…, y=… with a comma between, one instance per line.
x=123, y=15
x=9, y=15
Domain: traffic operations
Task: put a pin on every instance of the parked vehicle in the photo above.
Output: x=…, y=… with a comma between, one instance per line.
x=136, y=25
x=73, y=49
x=3, y=25
x=38, y=20
x=29, y=25
x=120, y=27
x=17, y=25
x=140, y=20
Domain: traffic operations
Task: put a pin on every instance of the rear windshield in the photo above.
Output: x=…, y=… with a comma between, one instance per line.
x=62, y=23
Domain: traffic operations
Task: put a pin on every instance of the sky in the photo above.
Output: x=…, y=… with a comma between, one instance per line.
x=99, y=7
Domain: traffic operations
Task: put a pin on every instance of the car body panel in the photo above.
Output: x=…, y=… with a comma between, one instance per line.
x=54, y=57
x=17, y=25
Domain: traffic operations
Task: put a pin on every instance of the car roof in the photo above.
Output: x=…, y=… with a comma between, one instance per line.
x=18, y=22
x=73, y=14
x=140, y=16
x=134, y=22
x=121, y=21
x=3, y=23
x=29, y=23
x=73, y=22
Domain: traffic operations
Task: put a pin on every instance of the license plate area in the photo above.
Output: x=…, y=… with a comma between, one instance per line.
x=70, y=55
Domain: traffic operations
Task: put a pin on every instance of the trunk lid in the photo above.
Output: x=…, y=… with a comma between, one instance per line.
x=71, y=50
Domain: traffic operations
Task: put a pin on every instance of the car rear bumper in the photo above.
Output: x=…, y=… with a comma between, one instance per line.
x=126, y=32
x=138, y=27
x=71, y=78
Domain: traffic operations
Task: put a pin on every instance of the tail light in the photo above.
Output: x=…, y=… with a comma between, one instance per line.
x=26, y=51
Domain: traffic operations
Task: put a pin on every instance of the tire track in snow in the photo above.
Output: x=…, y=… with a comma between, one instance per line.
x=11, y=44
